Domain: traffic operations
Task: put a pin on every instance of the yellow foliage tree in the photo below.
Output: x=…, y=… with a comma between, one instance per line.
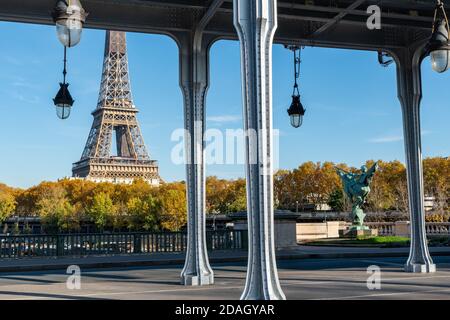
x=7, y=205
x=56, y=212
x=172, y=199
x=101, y=210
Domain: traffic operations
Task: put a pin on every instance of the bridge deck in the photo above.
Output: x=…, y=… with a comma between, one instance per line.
x=300, y=279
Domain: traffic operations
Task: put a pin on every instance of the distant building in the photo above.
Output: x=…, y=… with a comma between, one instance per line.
x=429, y=203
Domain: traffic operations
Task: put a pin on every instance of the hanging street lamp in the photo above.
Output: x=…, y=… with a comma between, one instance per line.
x=296, y=111
x=439, y=45
x=63, y=100
x=69, y=17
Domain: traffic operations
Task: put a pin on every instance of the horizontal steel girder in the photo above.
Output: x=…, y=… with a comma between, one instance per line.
x=404, y=21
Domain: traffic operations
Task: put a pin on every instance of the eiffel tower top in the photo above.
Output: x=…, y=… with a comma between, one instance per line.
x=115, y=90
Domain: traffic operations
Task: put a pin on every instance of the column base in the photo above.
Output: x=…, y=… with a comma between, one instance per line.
x=273, y=296
x=195, y=280
x=420, y=268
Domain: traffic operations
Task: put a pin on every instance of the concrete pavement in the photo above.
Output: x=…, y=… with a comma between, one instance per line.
x=300, y=279
x=157, y=259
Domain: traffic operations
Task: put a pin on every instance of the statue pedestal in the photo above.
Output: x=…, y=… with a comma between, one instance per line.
x=358, y=228
x=360, y=231
x=285, y=227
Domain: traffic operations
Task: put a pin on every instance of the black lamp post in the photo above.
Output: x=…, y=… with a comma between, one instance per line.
x=296, y=111
x=69, y=17
x=63, y=100
x=439, y=46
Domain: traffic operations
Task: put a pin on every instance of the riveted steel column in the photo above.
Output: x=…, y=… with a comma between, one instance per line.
x=194, y=80
x=256, y=22
x=410, y=95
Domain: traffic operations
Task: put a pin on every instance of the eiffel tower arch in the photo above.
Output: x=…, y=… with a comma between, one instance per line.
x=116, y=126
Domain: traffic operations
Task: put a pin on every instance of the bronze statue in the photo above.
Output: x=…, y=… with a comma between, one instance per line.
x=357, y=187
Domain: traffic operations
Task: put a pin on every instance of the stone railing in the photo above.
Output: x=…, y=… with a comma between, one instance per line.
x=384, y=228
x=331, y=229
x=401, y=228
x=438, y=228
x=311, y=231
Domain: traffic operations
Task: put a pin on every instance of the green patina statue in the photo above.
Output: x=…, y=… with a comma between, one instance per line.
x=357, y=187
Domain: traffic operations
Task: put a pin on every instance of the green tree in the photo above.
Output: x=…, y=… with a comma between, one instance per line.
x=119, y=219
x=101, y=210
x=143, y=213
x=336, y=200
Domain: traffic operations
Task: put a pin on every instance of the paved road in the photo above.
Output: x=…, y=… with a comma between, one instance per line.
x=300, y=279
x=165, y=259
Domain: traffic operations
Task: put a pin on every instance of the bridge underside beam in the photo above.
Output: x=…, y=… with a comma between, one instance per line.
x=404, y=21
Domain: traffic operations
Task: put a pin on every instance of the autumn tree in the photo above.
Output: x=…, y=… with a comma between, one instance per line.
x=310, y=183
x=100, y=210
x=236, y=196
x=173, y=213
x=387, y=187
x=283, y=189
x=55, y=210
x=138, y=189
x=436, y=174
x=78, y=191
x=27, y=201
x=395, y=174
x=143, y=213
x=7, y=205
x=216, y=193
x=7, y=201
x=62, y=205
x=325, y=181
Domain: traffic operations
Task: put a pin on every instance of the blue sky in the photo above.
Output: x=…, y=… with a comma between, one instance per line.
x=353, y=113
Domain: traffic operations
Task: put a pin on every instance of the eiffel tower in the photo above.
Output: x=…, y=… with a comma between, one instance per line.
x=115, y=117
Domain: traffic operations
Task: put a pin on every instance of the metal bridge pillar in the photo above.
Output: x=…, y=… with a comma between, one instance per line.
x=194, y=81
x=410, y=95
x=256, y=22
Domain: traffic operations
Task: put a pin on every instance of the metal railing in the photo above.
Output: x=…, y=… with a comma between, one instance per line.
x=22, y=246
